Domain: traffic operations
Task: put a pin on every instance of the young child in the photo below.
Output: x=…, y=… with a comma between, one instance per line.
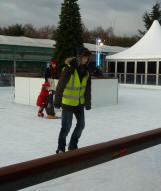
x=42, y=99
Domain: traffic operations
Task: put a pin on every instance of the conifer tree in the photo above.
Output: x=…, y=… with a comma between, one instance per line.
x=149, y=17
x=69, y=36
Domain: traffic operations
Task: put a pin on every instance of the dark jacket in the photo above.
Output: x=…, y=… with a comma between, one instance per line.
x=51, y=73
x=64, y=78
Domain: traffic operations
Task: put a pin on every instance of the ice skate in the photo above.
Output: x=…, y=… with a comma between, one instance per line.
x=52, y=117
x=40, y=114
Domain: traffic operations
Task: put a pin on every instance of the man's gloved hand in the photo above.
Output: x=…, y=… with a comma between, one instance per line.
x=73, y=62
x=88, y=107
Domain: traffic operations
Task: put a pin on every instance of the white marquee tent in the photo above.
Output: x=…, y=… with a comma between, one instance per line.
x=147, y=49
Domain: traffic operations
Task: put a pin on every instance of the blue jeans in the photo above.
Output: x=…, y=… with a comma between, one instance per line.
x=67, y=117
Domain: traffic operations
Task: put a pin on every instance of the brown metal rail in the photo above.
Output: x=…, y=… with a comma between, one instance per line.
x=22, y=175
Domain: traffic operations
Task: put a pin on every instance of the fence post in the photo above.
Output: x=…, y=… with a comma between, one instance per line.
x=146, y=71
x=135, y=72
x=157, y=72
x=116, y=69
x=12, y=79
x=141, y=79
x=125, y=71
x=119, y=78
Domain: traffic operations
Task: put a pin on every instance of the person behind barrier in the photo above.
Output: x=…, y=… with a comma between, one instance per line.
x=73, y=93
x=50, y=75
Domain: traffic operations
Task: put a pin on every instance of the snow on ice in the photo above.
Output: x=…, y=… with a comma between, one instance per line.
x=24, y=136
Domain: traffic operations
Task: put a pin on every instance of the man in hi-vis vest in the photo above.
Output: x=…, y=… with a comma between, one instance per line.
x=73, y=93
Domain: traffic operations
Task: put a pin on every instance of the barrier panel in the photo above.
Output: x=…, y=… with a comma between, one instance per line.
x=22, y=175
x=104, y=91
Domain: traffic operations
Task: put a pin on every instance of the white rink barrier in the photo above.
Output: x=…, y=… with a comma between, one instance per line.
x=104, y=91
x=139, y=86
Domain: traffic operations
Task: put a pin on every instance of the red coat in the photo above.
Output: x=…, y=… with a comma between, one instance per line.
x=42, y=98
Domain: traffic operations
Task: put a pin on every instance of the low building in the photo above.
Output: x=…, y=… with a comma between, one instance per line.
x=29, y=55
x=23, y=54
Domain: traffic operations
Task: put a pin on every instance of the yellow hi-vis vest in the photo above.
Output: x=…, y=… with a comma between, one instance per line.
x=74, y=91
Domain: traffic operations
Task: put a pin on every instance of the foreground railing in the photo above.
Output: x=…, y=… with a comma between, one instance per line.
x=33, y=172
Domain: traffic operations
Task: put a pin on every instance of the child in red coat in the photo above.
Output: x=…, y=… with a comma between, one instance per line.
x=42, y=98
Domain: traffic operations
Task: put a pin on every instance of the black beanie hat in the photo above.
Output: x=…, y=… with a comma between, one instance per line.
x=83, y=52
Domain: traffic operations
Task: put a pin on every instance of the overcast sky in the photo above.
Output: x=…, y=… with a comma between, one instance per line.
x=125, y=16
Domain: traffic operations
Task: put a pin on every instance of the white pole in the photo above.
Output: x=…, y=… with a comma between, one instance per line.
x=115, y=68
x=146, y=71
x=107, y=66
x=157, y=72
x=135, y=72
x=125, y=71
x=14, y=66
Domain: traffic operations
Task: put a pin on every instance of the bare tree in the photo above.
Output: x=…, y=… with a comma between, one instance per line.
x=47, y=32
x=30, y=31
